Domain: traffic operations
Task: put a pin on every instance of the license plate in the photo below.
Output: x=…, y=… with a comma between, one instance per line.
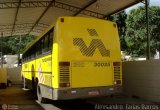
x=93, y=92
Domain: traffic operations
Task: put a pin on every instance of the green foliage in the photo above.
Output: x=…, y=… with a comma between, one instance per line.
x=120, y=18
x=136, y=36
x=15, y=44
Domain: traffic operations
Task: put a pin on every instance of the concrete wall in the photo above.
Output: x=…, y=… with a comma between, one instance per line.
x=14, y=75
x=142, y=79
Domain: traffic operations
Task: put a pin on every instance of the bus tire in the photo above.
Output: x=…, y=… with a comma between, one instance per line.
x=39, y=95
x=34, y=87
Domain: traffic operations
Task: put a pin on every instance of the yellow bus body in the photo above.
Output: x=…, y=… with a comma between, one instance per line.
x=85, y=59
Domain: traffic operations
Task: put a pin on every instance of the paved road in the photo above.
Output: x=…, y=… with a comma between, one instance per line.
x=97, y=103
x=16, y=98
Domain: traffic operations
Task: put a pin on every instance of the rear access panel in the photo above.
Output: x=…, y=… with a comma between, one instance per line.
x=91, y=74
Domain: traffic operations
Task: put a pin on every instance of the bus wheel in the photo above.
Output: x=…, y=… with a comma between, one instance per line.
x=39, y=95
x=34, y=87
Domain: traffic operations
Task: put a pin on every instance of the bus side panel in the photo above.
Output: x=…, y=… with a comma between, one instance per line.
x=39, y=70
x=31, y=68
x=43, y=70
x=55, y=77
x=24, y=69
x=44, y=75
x=28, y=73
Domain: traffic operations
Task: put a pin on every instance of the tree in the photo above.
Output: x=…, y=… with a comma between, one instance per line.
x=136, y=31
x=120, y=18
x=3, y=45
x=12, y=45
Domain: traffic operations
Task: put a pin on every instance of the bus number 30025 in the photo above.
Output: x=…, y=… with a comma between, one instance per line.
x=101, y=64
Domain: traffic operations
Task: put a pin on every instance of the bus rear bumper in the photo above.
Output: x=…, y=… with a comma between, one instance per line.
x=77, y=93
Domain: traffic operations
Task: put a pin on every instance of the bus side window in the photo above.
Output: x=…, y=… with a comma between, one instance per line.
x=29, y=54
x=33, y=52
x=39, y=48
x=45, y=43
x=50, y=38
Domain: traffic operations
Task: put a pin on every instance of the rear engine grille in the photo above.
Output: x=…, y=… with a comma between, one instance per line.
x=117, y=75
x=64, y=74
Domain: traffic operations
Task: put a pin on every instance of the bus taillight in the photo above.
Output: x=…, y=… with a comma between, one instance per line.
x=117, y=73
x=64, y=63
x=116, y=63
x=117, y=82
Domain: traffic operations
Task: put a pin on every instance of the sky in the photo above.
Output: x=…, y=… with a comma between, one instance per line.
x=152, y=3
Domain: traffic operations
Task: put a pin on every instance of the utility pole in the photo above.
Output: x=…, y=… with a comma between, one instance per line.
x=1, y=50
x=147, y=29
x=19, y=50
x=1, y=60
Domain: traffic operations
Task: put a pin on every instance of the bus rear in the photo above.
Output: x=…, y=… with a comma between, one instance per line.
x=89, y=61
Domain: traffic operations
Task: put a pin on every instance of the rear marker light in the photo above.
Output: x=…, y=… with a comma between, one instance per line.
x=114, y=25
x=111, y=89
x=62, y=19
x=70, y=92
x=73, y=92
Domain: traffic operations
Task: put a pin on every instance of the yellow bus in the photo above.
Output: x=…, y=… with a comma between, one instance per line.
x=75, y=58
